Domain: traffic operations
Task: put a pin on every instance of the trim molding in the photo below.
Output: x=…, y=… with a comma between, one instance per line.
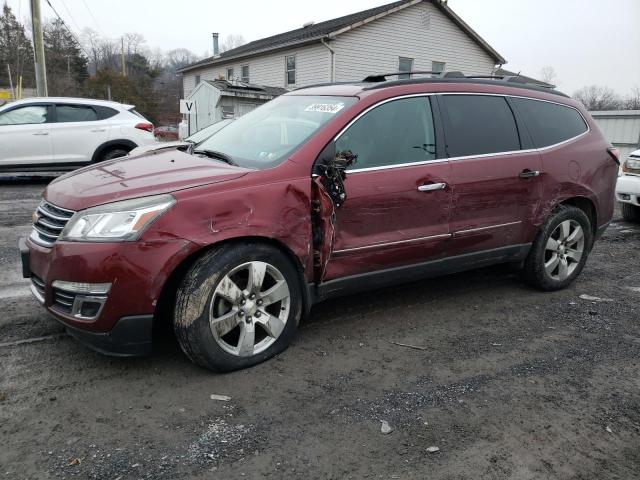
x=386, y=244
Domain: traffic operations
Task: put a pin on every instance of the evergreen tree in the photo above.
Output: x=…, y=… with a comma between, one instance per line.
x=15, y=51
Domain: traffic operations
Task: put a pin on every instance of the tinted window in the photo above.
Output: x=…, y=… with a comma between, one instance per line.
x=75, y=113
x=24, y=115
x=549, y=123
x=396, y=132
x=479, y=124
x=105, y=112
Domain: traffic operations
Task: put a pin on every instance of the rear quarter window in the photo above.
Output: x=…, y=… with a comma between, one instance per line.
x=549, y=123
x=105, y=112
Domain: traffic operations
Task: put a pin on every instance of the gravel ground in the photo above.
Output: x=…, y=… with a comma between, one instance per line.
x=508, y=382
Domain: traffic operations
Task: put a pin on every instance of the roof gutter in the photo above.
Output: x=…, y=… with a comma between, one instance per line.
x=332, y=67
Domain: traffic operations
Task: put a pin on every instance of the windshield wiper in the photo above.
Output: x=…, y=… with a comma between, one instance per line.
x=217, y=155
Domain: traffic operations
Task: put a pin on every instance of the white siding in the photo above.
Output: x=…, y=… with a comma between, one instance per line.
x=420, y=32
x=312, y=66
x=621, y=128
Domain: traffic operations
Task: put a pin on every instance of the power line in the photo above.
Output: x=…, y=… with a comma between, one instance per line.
x=94, y=18
x=70, y=15
x=68, y=29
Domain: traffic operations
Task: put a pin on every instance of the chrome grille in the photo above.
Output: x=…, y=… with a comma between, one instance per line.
x=63, y=300
x=49, y=221
x=37, y=287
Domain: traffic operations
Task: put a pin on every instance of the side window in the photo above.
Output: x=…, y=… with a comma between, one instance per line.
x=245, y=73
x=24, y=115
x=479, y=124
x=549, y=123
x=75, y=113
x=396, y=132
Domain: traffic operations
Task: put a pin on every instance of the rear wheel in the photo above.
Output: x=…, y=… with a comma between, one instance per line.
x=560, y=250
x=238, y=306
x=630, y=213
x=113, y=153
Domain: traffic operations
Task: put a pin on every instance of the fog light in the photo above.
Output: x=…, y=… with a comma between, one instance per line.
x=625, y=196
x=83, y=288
x=89, y=309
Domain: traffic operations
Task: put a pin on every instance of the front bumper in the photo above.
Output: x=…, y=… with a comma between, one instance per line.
x=137, y=272
x=628, y=189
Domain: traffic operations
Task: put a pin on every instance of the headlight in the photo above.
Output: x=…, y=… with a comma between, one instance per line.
x=116, y=222
x=632, y=164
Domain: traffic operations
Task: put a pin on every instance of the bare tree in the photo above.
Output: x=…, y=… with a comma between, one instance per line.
x=232, y=41
x=548, y=75
x=632, y=101
x=180, y=57
x=596, y=98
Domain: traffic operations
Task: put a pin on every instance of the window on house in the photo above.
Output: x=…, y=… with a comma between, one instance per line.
x=290, y=69
x=197, y=79
x=245, y=73
x=437, y=66
x=229, y=73
x=405, y=65
x=228, y=111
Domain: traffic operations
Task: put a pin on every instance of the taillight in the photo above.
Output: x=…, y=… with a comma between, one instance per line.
x=614, y=153
x=146, y=126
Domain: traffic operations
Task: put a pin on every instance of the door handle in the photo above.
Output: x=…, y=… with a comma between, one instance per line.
x=98, y=130
x=431, y=186
x=41, y=133
x=526, y=173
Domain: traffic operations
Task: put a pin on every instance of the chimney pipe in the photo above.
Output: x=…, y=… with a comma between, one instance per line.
x=216, y=48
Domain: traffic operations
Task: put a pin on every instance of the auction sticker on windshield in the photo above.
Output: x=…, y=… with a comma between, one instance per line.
x=325, y=107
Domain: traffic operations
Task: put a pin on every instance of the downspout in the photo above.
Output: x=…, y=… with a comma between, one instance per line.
x=333, y=61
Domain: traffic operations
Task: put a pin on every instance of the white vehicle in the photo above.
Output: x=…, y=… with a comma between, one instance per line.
x=628, y=188
x=66, y=133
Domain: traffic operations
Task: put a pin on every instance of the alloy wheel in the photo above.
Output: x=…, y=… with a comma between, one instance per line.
x=249, y=308
x=564, y=250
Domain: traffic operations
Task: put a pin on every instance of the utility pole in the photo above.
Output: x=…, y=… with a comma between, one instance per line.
x=38, y=49
x=124, y=69
x=13, y=92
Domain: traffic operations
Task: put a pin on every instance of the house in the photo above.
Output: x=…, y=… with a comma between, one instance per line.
x=218, y=99
x=401, y=36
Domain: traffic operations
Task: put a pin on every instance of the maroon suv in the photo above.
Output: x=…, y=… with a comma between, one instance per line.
x=324, y=191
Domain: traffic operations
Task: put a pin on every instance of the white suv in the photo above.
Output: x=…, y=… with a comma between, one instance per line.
x=628, y=188
x=65, y=133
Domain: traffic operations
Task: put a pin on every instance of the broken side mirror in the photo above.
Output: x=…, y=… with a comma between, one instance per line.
x=331, y=166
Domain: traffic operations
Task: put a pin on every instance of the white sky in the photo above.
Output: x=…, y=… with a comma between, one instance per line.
x=585, y=41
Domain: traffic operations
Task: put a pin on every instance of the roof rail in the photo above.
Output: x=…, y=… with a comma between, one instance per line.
x=455, y=74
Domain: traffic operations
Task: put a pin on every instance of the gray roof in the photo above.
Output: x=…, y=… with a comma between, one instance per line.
x=246, y=88
x=317, y=31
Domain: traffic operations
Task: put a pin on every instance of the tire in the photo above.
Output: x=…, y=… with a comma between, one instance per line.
x=557, y=256
x=631, y=213
x=113, y=153
x=208, y=322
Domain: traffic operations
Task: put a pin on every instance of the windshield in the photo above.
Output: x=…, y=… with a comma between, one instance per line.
x=264, y=137
x=206, y=132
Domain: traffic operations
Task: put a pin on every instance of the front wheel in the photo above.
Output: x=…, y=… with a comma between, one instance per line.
x=631, y=213
x=560, y=250
x=238, y=306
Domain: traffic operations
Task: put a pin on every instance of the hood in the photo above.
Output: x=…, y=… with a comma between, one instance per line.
x=162, y=171
x=154, y=147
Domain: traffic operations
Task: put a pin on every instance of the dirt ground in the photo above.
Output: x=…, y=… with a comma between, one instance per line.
x=508, y=383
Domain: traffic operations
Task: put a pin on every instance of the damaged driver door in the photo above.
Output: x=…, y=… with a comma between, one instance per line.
x=387, y=191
